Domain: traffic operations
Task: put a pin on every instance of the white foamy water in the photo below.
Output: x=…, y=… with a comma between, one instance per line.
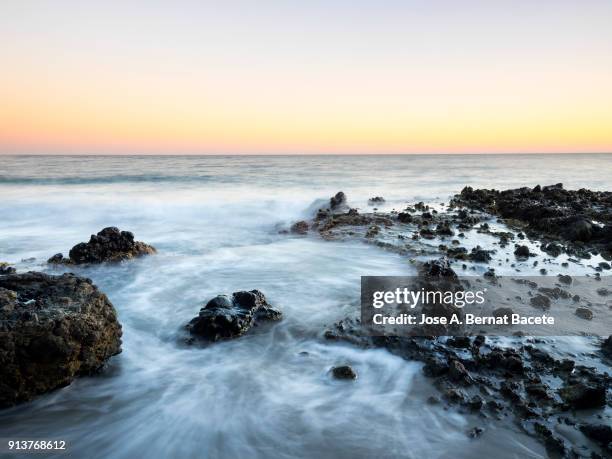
x=214, y=221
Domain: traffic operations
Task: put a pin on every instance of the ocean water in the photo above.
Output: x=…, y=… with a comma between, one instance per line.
x=215, y=222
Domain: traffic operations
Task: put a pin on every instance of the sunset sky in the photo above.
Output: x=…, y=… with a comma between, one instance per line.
x=412, y=76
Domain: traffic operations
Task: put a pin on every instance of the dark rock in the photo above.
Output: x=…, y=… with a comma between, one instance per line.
x=404, y=217
x=427, y=233
x=224, y=318
x=344, y=372
x=554, y=212
x=457, y=372
x=435, y=366
x=444, y=229
x=553, y=444
x=459, y=253
x=478, y=254
x=459, y=342
x=578, y=229
x=606, y=346
x=583, y=395
x=52, y=330
x=601, y=433
x=338, y=202
x=6, y=269
x=552, y=249
x=300, y=227
x=475, y=403
x=438, y=269
x=584, y=313
x=475, y=432
x=565, y=279
x=58, y=258
x=109, y=245
x=376, y=200
x=537, y=391
x=540, y=301
x=522, y=251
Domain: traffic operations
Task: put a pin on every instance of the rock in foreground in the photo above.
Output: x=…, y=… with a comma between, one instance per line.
x=52, y=329
x=225, y=317
x=109, y=245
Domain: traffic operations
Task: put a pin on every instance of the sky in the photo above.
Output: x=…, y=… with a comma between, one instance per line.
x=333, y=76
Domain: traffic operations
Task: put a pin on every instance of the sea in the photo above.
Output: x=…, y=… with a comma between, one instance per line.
x=217, y=224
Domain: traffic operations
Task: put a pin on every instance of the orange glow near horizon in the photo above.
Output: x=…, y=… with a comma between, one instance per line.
x=403, y=92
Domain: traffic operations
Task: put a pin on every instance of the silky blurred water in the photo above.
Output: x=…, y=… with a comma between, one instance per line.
x=215, y=221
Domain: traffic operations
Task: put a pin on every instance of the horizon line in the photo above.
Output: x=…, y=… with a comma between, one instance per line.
x=507, y=153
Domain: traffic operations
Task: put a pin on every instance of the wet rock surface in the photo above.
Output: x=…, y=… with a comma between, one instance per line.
x=226, y=317
x=300, y=227
x=473, y=373
x=343, y=372
x=582, y=217
x=52, y=330
x=109, y=245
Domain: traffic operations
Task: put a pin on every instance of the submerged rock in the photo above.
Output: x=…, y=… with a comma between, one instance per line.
x=344, y=372
x=224, y=317
x=376, y=200
x=584, y=313
x=300, y=227
x=109, y=245
x=52, y=329
x=540, y=302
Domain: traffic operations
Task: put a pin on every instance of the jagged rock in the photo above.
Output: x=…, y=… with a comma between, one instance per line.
x=457, y=372
x=344, y=372
x=109, y=245
x=52, y=329
x=338, y=202
x=376, y=200
x=566, y=215
x=224, y=318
